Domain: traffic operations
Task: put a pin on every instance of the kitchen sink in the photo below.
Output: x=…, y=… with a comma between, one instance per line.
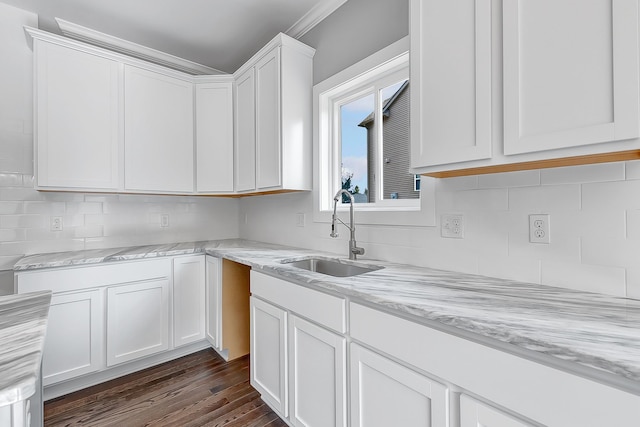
x=333, y=266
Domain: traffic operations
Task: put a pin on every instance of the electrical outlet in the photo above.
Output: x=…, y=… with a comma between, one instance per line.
x=56, y=223
x=300, y=219
x=539, y=228
x=164, y=220
x=452, y=226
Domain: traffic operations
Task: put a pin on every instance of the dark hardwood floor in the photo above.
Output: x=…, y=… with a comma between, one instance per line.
x=196, y=390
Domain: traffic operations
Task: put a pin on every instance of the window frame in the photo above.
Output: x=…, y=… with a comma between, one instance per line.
x=327, y=155
x=373, y=82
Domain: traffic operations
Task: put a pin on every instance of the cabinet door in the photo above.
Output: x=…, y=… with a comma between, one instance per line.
x=213, y=309
x=268, y=142
x=214, y=137
x=74, y=344
x=269, y=354
x=77, y=119
x=245, y=154
x=137, y=320
x=385, y=393
x=158, y=134
x=317, y=374
x=450, y=81
x=188, y=299
x=570, y=73
x=476, y=414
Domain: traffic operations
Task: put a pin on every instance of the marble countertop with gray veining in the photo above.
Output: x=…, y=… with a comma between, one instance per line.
x=23, y=323
x=589, y=330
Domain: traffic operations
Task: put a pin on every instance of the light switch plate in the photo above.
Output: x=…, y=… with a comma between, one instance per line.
x=452, y=226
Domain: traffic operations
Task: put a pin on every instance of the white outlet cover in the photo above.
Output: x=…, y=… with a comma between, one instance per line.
x=452, y=226
x=164, y=220
x=540, y=228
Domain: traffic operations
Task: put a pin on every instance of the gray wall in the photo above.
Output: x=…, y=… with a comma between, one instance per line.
x=354, y=31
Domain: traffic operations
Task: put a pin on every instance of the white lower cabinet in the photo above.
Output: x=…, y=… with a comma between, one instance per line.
x=188, y=299
x=477, y=414
x=137, y=320
x=317, y=375
x=385, y=393
x=213, y=297
x=298, y=352
x=269, y=354
x=75, y=339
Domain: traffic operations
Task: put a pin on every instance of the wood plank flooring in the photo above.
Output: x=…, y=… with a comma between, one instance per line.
x=200, y=389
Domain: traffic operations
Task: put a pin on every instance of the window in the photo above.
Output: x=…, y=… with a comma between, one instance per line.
x=371, y=158
x=366, y=138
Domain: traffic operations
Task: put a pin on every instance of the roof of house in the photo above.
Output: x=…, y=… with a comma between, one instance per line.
x=386, y=104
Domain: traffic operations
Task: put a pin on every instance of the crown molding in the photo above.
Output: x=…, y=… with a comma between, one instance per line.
x=119, y=45
x=312, y=18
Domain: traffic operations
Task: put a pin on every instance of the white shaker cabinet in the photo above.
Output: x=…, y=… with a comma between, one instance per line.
x=188, y=299
x=245, y=142
x=158, y=132
x=451, y=77
x=523, y=84
x=385, y=393
x=298, y=350
x=474, y=414
x=76, y=103
x=214, y=134
x=269, y=354
x=570, y=73
x=317, y=375
x=273, y=118
x=75, y=340
x=137, y=320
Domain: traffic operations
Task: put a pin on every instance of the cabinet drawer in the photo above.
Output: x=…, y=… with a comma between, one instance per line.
x=535, y=391
x=94, y=276
x=322, y=308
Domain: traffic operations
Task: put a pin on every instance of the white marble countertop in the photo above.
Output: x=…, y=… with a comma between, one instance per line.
x=596, y=334
x=23, y=323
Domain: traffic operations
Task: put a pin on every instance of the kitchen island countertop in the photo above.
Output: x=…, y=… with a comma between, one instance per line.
x=23, y=323
x=598, y=335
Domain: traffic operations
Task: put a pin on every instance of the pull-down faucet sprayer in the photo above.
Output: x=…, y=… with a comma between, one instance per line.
x=353, y=249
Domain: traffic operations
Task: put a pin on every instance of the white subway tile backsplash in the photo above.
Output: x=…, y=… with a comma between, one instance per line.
x=632, y=169
x=544, y=199
x=23, y=221
x=565, y=249
x=481, y=200
x=591, y=278
x=610, y=252
x=611, y=195
x=12, y=234
x=10, y=180
x=509, y=267
x=42, y=207
x=80, y=208
x=633, y=224
x=457, y=184
x=509, y=179
x=601, y=172
x=633, y=282
x=11, y=208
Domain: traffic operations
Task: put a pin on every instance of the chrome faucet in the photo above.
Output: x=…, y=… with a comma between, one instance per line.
x=353, y=249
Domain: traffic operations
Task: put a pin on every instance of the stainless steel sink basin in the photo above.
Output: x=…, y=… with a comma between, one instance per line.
x=333, y=267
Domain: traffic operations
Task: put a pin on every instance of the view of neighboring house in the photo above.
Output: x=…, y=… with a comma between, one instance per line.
x=398, y=181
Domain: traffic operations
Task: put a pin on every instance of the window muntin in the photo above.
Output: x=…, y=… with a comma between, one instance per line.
x=363, y=116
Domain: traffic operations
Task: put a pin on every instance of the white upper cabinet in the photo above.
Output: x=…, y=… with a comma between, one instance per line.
x=570, y=73
x=268, y=147
x=158, y=137
x=273, y=118
x=77, y=118
x=451, y=74
x=245, y=146
x=521, y=83
x=214, y=136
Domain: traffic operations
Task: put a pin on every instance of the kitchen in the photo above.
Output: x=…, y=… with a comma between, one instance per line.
x=594, y=217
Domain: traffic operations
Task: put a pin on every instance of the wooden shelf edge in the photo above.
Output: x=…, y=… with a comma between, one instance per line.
x=619, y=156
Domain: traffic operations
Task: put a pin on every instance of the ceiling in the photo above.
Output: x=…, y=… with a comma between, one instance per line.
x=221, y=34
